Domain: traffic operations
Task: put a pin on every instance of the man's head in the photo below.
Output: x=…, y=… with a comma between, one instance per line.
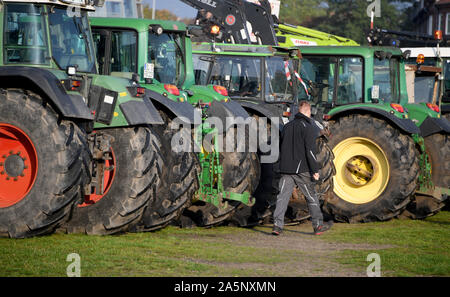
x=304, y=107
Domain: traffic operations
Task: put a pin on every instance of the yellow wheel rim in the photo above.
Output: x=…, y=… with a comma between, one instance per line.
x=362, y=170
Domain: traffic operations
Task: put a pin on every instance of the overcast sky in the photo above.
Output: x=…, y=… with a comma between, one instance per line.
x=175, y=6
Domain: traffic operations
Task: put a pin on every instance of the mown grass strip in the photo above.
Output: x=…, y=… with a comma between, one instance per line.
x=420, y=247
x=406, y=248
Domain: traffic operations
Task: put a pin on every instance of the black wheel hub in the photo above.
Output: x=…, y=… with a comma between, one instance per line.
x=14, y=165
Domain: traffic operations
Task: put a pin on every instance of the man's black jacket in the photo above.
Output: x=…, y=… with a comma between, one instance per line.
x=298, y=146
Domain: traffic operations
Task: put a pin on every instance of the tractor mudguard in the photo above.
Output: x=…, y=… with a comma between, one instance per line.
x=406, y=125
x=258, y=108
x=69, y=105
x=434, y=125
x=182, y=110
x=141, y=112
x=229, y=112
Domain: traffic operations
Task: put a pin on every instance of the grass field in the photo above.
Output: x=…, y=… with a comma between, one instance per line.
x=406, y=248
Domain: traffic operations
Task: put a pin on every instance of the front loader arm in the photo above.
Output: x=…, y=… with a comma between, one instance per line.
x=242, y=22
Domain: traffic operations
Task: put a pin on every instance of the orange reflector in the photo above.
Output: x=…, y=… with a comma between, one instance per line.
x=140, y=91
x=75, y=85
x=420, y=59
x=438, y=35
x=398, y=107
x=221, y=90
x=215, y=30
x=433, y=107
x=172, y=89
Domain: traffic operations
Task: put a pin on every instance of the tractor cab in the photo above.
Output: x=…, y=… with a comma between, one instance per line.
x=26, y=37
x=350, y=76
x=251, y=75
x=428, y=77
x=117, y=51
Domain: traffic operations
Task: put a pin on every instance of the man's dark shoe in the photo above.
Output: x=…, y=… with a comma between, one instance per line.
x=276, y=230
x=322, y=228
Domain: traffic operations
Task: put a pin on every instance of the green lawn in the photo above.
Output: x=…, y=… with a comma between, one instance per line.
x=406, y=247
x=420, y=247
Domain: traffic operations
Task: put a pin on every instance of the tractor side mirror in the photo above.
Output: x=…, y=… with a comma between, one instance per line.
x=406, y=54
x=380, y=55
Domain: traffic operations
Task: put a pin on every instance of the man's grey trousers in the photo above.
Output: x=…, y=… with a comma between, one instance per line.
x=305, y=184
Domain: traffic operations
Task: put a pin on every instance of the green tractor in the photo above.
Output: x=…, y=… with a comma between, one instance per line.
x=256, y=77
x=430, y=69
x=79, y=151
x=385, y=84
x=427, y=101
x=378, y=150
x=427, y=66
x=160, y=53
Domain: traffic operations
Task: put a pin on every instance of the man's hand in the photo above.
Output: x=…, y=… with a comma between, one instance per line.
x=316, y=176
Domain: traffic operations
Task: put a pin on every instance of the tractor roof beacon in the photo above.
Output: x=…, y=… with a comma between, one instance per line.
x=56, y=112
x=160, y=51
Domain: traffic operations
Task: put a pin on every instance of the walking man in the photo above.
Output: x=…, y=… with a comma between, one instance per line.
x=298, y=166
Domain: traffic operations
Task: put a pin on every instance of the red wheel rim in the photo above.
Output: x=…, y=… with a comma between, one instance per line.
x=108, y=178
x=18, y=165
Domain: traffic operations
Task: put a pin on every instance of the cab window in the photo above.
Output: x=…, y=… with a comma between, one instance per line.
x=25, y=35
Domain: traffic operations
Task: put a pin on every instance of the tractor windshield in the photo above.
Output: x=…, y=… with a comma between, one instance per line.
x=241, y=76
x=327, y=79
x=71, y=39
x=280, y=78
x=426, y=88
x=386, y=75
x=25, y=34
x=166, y=53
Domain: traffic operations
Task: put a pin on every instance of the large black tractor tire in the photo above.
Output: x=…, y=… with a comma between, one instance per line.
x=241, y=172
x=438, y=150
x=376, y=170
x=136, y=167
x=297, y=210
x=264, y=191
x=178, y=176
x=42, y=173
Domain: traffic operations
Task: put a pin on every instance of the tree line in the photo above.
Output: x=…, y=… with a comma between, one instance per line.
x=347, y=18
